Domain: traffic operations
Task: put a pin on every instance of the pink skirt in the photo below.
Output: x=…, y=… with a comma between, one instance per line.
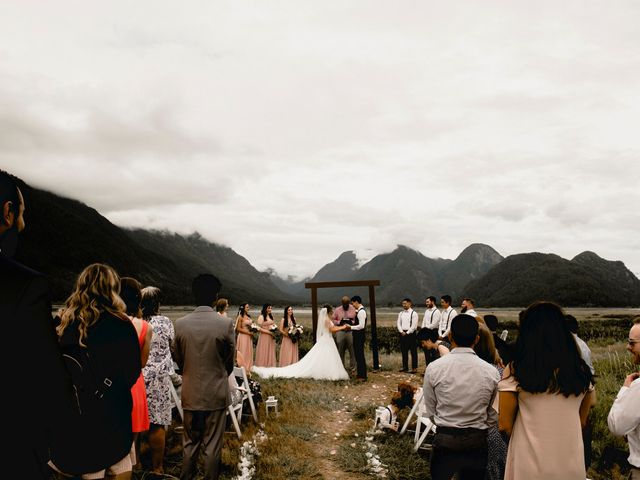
x=266, y=351
x=288, y=352
x=244, y=345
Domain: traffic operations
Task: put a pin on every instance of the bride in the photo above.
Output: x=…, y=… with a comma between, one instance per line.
x=322, y=362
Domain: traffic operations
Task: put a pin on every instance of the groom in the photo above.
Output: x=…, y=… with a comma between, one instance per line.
x=358, y=329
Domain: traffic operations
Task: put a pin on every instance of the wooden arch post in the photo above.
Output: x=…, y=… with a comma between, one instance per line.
x=314, y=286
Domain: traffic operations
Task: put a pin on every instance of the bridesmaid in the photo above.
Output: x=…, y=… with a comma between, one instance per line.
x=266, y=349
x=288, y=349
x=244, y=342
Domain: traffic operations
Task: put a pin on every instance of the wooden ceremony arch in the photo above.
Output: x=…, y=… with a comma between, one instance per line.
x=314, y=286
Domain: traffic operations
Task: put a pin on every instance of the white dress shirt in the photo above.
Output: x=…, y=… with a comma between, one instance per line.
x=445, y=321
x=408, y=321
x=471, y=312
x=585, y=352
x=459, y=390
x=361, y=319
x=431, y=318
x=624, y=419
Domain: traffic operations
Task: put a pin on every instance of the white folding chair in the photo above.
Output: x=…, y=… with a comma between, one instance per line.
x=504, y=334
x=239, y=372
x=376, y=420
x=235, y=412
x=176, y=399
x=417, y=409
x=426, y=423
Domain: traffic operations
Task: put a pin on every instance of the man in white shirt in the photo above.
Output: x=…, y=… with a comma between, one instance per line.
x=446, y=315
x=359, y=337
x=624, y=416
x=407, y=325
x=459, y=391
x=468, y=306
x=431, y=320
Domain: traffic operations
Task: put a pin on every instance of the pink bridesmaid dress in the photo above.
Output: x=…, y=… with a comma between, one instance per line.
x=244, y=344
x=266, y=348
x=288, y=352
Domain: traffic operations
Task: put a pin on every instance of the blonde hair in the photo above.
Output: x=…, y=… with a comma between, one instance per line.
x=96, y=291
x=221, y=305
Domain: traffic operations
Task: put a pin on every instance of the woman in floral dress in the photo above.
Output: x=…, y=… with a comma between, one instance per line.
x=157, y=375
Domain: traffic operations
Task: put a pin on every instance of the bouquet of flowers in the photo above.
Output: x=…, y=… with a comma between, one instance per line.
x=254, y=328
x=273, y=329
x=295, y=332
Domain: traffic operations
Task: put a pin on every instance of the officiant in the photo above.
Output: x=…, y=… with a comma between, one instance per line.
x=345, y=314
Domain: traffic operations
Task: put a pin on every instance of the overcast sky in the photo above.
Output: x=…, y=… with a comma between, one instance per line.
x=293, y=131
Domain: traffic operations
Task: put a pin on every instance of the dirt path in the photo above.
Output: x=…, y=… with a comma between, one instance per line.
x=342, y=427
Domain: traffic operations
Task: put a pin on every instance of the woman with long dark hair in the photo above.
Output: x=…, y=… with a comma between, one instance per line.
x=545, y=396
x=266, y=348
x=244, y=340
x=288, y=348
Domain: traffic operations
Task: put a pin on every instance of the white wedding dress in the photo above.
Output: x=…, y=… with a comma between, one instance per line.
x=322, y=362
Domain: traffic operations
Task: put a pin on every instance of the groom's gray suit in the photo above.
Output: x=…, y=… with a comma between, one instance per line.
x=204, y=350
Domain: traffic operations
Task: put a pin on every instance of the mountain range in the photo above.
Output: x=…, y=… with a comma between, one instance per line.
x=64, y=235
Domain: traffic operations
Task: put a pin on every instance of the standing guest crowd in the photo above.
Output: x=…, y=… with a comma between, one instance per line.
x=106, y=362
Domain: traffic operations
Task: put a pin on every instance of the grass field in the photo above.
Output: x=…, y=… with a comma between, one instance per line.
x=321, y=430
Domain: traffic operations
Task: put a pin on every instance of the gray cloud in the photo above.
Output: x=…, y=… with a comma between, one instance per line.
x=294, y=134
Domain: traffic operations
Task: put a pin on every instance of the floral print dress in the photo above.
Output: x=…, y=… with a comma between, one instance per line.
x=158, y=369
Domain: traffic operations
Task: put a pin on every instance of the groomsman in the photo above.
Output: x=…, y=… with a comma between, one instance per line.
x=407, y=325
x=358, y=330
x=431, y=321
x=468, y=306
x=446, y=315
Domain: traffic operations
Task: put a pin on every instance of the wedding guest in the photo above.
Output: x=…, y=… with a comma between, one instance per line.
x=496, y=446
x=288, y=348
x=624, y=416
x=431, y=320
x=585, y=351
x=429, y=341
x=446, y=316
x=157, y=375
x=545, y=396
x=222, y=305
x=25, y=310
x=266, y=348
x=407, y=324
x=94, y=321
x=459, y=390
x=131, y=293
x=504, y=349
x=345, y=314
x=204, y=349
x=244, y=339
x=468, y=306
x=404, y=397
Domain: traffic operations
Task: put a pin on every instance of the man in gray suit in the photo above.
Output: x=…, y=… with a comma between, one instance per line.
x=204, y=351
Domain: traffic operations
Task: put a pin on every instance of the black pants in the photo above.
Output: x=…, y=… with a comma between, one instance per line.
x=408, y=344
x=358, y=348
x=459, y=451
